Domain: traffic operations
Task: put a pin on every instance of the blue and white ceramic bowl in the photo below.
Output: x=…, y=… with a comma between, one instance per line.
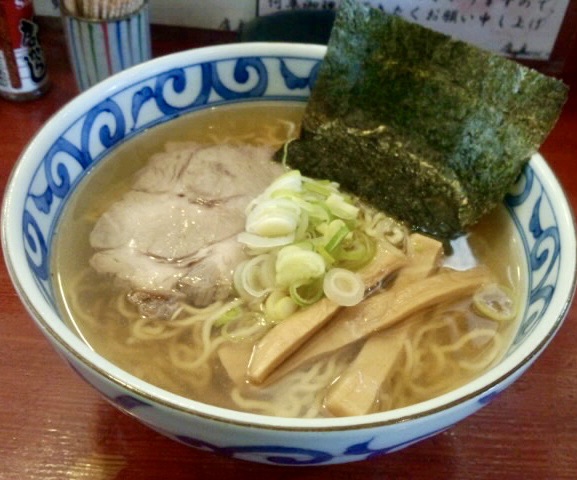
x=97, y=121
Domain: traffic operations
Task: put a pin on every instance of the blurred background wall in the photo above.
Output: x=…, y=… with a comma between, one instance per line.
x=544, y=31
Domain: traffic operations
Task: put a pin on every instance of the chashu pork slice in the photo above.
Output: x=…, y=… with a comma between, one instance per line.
x=174, y=234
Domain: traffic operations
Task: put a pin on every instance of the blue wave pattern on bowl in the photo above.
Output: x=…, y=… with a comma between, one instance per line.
x=86, y=140
x=281, y=455
x=168, y=95
x=540, y=236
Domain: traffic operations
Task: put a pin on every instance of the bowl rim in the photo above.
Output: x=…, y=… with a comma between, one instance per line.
x=53, y=328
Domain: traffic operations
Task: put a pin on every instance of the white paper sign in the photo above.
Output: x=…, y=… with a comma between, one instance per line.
x=520, y=28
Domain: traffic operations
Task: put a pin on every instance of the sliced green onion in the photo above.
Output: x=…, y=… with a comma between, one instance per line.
x=318, y=213
x=279, y=306
x=495, y=302
x=272, y=224
x=273, y=218
x=237, y=280
x=260, y=243
x=357, y=252
x=287, y=194
x=291, y=180
x=339, y=207
x=267, y=271
x=295, y=231
x=295, y=265
x=305, y=245
x=306, y=294
x=328, y=229
x=343, y=287
x=323, y=188
x=302, y=227
x=252, y=278
x=337, y=238
x=327, y=257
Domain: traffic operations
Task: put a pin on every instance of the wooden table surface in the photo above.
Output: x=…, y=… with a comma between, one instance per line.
x=54, y=426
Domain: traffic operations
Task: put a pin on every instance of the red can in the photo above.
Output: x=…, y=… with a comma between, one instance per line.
x=23, y=74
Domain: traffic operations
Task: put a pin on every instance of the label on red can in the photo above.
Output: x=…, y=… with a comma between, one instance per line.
x=22, y=64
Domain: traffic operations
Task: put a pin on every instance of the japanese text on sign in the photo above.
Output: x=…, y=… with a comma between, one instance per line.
x=520, y=28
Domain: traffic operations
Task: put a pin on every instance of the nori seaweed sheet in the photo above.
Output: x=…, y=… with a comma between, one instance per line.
x=429, y=129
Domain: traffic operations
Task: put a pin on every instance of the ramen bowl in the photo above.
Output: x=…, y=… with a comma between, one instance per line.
x=101, y=119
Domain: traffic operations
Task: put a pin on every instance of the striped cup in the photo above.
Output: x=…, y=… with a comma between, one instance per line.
x=99, y=48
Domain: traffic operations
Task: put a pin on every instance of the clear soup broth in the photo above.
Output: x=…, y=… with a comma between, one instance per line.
x=445, y=345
